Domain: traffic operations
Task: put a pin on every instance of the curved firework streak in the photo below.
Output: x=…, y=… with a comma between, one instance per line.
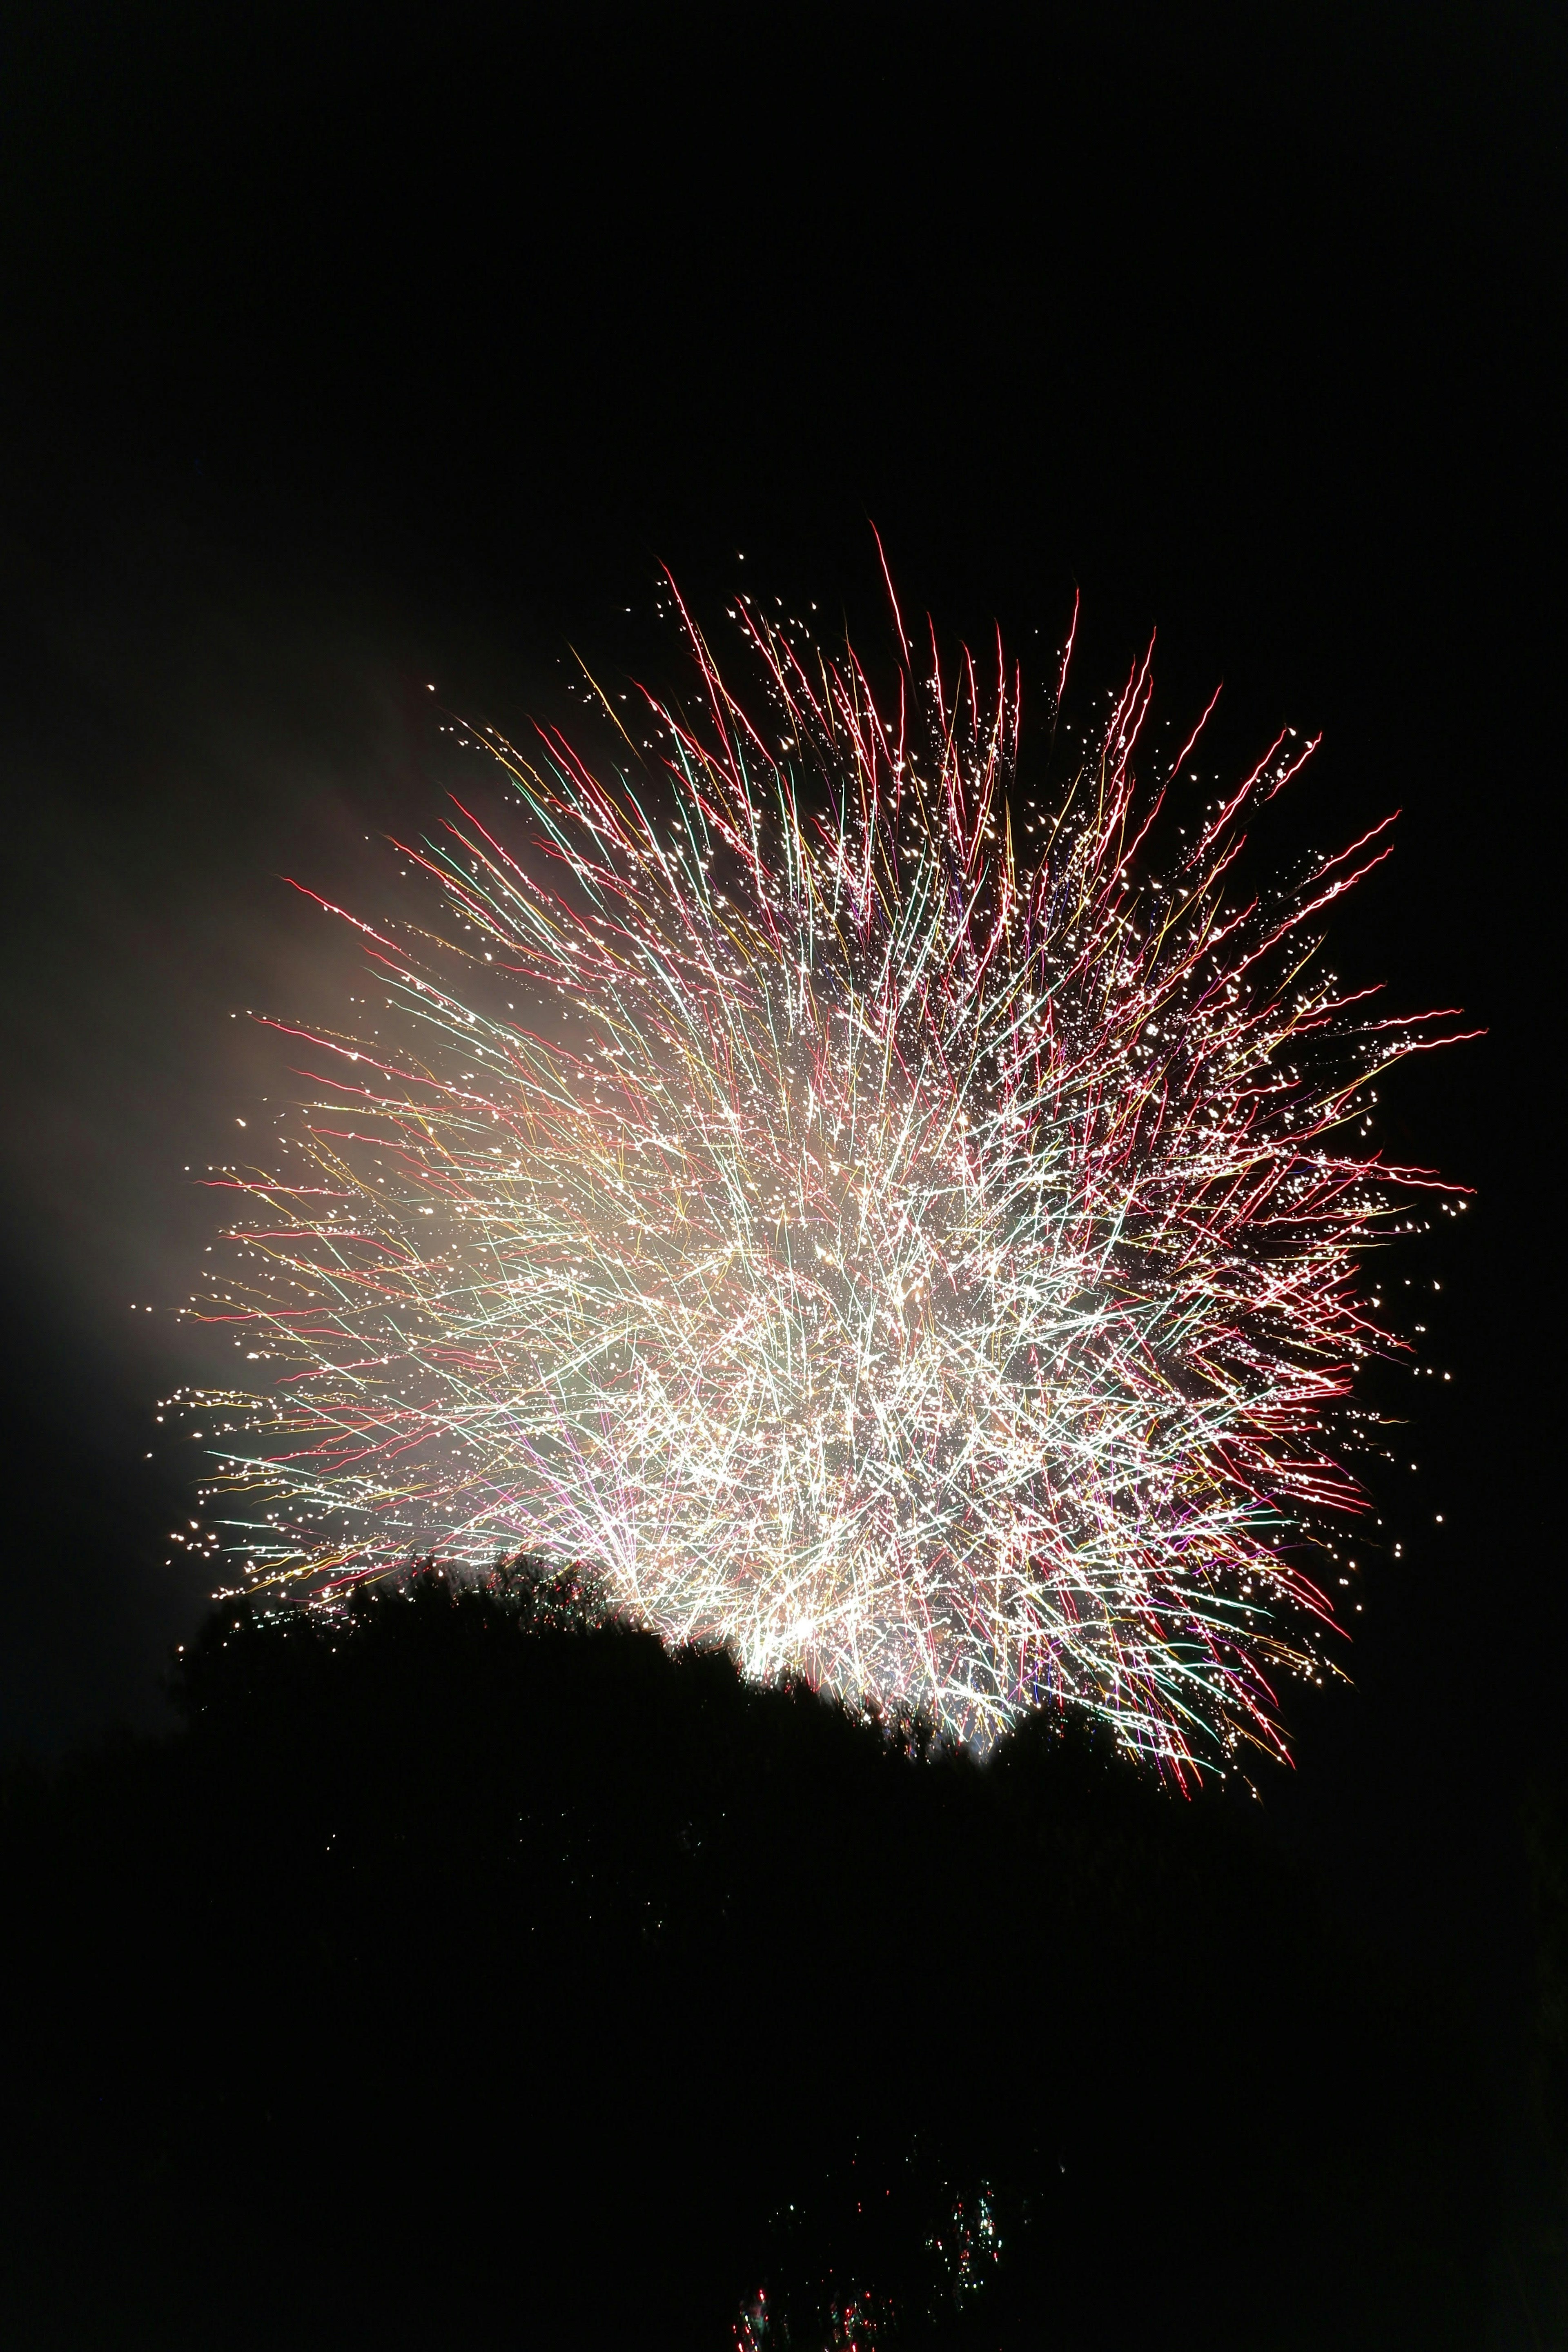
x=901, y=1236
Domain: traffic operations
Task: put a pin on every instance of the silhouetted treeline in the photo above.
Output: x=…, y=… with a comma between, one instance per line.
x=470, y=1971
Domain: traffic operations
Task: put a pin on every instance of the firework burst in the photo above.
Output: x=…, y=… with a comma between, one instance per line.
x=903, y=1231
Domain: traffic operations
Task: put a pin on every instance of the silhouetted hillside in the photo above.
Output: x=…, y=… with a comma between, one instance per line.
x=471, y=1971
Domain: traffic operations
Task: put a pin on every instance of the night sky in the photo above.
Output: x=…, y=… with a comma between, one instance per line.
x=336, y=363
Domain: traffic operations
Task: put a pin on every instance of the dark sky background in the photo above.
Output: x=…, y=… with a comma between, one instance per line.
x=337, y=360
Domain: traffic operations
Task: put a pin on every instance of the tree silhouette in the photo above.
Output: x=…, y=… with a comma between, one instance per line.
x=470, y=1967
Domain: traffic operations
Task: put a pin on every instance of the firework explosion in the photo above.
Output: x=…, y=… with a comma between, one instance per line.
x=893, y=1228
